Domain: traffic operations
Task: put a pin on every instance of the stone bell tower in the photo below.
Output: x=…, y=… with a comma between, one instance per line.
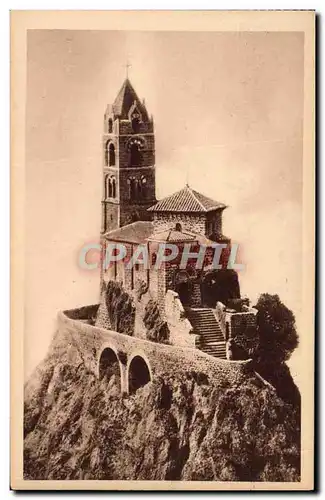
x=128, y=161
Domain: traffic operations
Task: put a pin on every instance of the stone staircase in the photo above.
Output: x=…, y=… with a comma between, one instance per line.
x=211, y=340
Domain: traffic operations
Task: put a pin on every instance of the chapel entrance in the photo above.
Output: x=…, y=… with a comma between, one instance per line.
x=183, y=287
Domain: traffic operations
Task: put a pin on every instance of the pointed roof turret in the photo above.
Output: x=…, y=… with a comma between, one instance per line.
x=125, y=100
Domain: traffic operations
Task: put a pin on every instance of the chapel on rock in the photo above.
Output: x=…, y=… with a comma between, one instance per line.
x=203, y=309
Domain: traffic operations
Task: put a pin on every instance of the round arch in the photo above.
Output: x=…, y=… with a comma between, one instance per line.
x=109, y=365
x=138, y=372
x=110, y=153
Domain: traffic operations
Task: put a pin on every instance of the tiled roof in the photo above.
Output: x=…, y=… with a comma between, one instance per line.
x=124, y=100
x=142, y=231
x=137, y=232
x=187, y=200
x=172, y=236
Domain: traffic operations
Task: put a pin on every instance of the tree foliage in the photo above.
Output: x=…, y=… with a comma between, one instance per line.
x=277, y=332
x=277, y=340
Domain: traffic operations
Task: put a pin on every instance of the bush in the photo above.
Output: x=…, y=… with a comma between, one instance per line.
x=276, y=328
x=277, y=340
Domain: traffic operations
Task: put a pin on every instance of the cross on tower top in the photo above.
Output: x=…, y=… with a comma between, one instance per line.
x=127, y=66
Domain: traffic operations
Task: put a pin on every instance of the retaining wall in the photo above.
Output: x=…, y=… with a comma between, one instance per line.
x=163, y=359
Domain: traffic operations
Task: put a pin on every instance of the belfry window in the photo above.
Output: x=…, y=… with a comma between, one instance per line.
x=110, y=187
x=135, y=155
x=111, y=155
x=132, y=188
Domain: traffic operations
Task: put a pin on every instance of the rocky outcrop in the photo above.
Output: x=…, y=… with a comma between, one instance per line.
x=181, y=426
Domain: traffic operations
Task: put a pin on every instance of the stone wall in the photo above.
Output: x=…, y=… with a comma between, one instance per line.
x=163, y=359
x=125, y=128
x=147, y=153
x=129, y=277
x=237, y=325
x=110, y=215
x=242, y=324
x=195, y=223
x=102, y=318
x=214, y=223
x=131, y=212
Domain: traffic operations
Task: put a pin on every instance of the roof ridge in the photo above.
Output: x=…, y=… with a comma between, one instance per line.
x=196, y=198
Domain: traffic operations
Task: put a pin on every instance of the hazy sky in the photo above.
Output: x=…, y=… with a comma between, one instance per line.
x=228, y=111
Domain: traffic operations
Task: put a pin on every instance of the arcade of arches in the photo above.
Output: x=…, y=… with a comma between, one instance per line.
x=137, y=188
x=127, y=379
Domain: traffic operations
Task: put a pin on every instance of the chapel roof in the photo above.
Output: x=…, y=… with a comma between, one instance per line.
x=187, y=200
x=141, y=231
x=173, y=236
x=136, y=232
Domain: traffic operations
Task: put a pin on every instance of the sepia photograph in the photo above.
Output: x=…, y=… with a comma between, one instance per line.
x=162, y=214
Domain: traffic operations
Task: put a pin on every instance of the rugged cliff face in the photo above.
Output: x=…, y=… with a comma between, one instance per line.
x=175, y=428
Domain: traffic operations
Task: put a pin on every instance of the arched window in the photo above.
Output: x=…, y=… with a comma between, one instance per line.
x=110, y=188
x=111, y=154
x=106, y=186
x=135, y=123
x=143, y=187
x=139, y=189
x=132, y=182
x=135, y=155
x=110, y=126
x=113, y=187
x=106, y=154
x=178, y=227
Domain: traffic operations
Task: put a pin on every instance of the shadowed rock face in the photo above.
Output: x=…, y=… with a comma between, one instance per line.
x=175, y=428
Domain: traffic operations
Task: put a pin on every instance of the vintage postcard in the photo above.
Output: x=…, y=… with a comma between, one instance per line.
x=162, y=250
